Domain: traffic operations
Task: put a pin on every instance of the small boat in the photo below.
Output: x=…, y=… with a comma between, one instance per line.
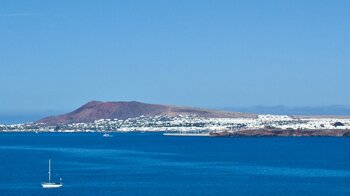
x=50, y=184
x=107, y=135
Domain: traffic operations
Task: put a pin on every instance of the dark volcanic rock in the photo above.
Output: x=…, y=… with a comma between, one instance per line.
x=95, y=110
x=279, y=132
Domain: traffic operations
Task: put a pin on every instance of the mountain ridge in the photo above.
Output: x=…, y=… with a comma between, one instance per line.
x=95, y=110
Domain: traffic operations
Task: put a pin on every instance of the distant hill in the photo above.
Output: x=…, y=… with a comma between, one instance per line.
x=95, y=110
x=331, y=110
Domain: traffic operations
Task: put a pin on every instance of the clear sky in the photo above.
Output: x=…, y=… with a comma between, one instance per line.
x=57, y=55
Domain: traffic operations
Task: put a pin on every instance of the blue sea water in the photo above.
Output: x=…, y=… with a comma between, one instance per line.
x=153, y=164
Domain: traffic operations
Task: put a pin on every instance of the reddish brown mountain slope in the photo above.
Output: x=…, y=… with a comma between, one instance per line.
x=95, y=110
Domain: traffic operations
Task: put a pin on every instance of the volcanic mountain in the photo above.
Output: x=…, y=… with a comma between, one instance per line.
x=96, y=110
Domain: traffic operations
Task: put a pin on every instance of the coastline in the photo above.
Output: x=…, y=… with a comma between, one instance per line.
x=225, y=133
x=283, y=133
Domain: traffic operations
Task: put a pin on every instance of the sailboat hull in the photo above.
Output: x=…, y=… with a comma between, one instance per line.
x=47, y=185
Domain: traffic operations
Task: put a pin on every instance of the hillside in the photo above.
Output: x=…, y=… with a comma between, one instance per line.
x=95, y=110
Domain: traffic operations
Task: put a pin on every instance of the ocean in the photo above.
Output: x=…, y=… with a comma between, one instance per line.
x=153, y=164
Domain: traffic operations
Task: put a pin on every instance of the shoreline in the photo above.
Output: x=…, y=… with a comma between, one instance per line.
x=225, y=133
x=283, y=133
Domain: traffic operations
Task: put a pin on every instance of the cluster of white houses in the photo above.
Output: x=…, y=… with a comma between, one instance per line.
x=187, y=123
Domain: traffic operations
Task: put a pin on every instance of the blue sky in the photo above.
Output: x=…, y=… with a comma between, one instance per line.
x=57, y=55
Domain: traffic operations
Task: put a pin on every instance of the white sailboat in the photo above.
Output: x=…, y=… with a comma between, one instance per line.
x=51, y=184
x=107, y=135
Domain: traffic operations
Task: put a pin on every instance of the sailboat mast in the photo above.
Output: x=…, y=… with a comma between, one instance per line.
x=49, y=170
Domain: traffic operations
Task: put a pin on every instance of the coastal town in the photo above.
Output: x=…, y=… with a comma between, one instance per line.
x=189, y=123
